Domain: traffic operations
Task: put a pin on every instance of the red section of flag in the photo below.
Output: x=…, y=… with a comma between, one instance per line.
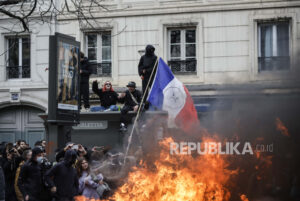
x=187, y=119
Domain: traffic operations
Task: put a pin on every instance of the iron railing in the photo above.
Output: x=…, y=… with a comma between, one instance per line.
x=273, y=63
x=183, y=66
x=16, y=72
x=101, y=69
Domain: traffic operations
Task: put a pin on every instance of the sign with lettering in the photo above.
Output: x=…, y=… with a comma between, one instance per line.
x=94, y=125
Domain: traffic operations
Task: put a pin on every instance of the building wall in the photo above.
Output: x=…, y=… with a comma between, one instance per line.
x=226, y=36
x=34, y=90
x=226, y=41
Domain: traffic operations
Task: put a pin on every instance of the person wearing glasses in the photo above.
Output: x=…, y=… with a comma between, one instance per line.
x=108, y=97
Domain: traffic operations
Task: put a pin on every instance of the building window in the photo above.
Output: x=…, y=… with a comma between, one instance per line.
x=182, y=50
x=98, y=47
x=18, y=57
x=273, y=46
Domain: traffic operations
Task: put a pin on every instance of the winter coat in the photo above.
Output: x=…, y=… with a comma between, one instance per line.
x=17, y=189
x=30, y=180
x=2, y=161
x=128, y=101
x=147, y=62
x=86, y=71
x=64, y=176
x=9, y=169
x=2, y=185
x=89, y=190
x=107, y=98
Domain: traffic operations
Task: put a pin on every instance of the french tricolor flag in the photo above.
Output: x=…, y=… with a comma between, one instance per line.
x=169, y=94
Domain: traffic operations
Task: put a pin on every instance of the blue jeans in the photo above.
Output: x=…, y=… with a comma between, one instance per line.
x=102, y=108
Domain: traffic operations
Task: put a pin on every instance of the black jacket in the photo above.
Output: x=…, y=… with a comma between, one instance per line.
x=2, y=184
x=86, y=71
x=147, y=62
x=64, y=176
x=30, y=180
x=9, y=169
x=128, y=101
x=107, y=98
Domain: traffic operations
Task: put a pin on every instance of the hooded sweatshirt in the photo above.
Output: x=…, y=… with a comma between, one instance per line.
x=86, y=71
x=64, y=176
x=147, y=61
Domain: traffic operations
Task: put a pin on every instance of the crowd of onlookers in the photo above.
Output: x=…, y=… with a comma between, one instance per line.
x=27, y=174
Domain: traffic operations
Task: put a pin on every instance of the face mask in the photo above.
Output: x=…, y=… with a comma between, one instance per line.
x=39, y=159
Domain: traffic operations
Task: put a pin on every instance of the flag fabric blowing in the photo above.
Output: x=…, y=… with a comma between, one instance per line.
x=169, y=94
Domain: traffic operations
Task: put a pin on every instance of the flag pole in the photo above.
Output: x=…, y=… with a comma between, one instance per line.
x=139, y=110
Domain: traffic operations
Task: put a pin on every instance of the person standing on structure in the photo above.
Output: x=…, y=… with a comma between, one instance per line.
x=145, y=68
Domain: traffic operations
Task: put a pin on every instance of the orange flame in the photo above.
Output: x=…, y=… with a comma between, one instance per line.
x=281, y=127
x=82, y=198
x=178, y=178
x=244, y=198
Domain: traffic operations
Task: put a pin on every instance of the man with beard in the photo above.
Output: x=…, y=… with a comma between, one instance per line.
x=62, y=178
x=145, y=68
x=30, y=179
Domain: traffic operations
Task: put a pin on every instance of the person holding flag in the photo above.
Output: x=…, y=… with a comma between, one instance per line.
x=167, y=93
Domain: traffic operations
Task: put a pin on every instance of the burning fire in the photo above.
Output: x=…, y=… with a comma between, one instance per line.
x=280, y=127
x=178, y=178
x=244, y=198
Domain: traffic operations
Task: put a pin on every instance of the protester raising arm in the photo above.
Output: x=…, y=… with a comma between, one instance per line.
x=96, y=89
x=61, y=153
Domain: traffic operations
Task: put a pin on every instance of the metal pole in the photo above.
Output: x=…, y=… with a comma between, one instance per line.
x=139, y=110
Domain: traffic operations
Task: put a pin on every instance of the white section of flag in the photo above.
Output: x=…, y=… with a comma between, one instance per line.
x=174, y=99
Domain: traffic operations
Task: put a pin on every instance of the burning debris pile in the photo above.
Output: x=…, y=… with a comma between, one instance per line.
x=177, y=178
x=154, y=173
x=171, y=177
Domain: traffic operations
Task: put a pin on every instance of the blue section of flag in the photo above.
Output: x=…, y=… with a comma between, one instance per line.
x=163, y=77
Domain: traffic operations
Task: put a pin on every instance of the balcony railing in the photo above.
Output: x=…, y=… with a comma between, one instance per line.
x=17, y=72
x=183, y=66
x=273, y=63
x=101, y=69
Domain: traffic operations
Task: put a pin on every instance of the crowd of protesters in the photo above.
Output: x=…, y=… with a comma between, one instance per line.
x=27, y=175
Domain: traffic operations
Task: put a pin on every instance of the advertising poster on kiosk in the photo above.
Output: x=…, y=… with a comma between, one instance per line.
x=64, y=65
x=67, y=73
